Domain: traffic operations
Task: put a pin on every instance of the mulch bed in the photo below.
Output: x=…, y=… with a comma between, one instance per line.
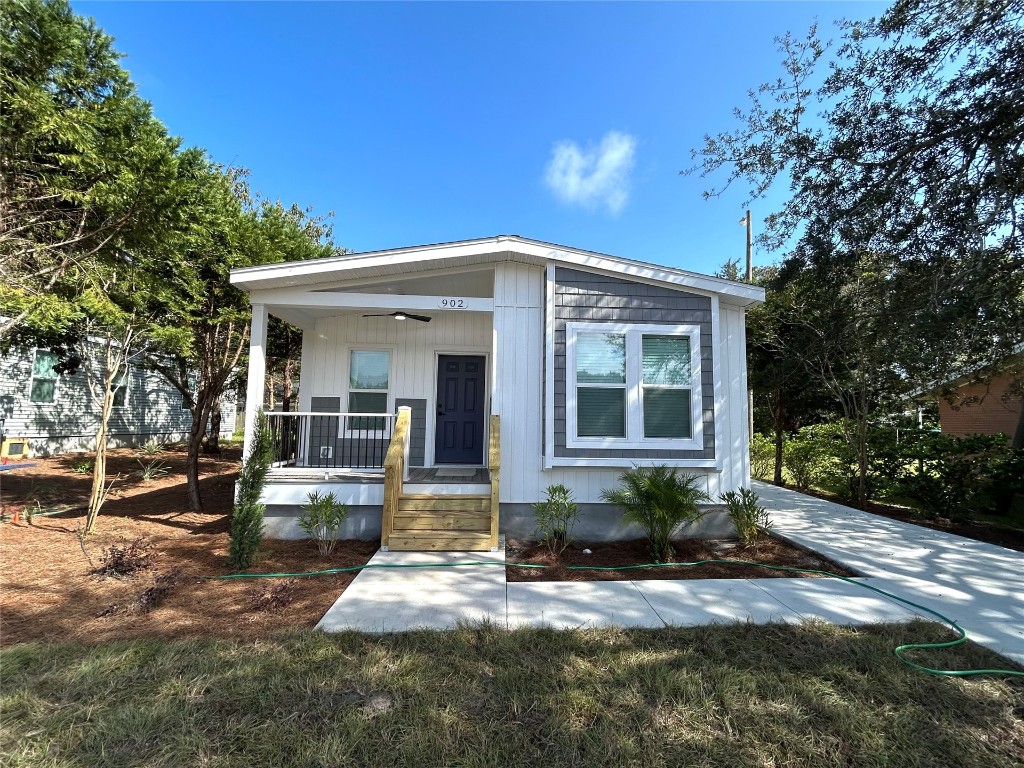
x=770, y=551
x=991, y=533
x=49, y=590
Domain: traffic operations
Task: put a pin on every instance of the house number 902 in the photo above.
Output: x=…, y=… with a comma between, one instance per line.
x=452, y=303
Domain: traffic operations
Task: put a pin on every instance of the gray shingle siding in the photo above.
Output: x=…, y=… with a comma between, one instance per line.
x=587, y=297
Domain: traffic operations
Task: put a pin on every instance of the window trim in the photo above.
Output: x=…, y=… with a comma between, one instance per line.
x=634, y=439
x=32, y=379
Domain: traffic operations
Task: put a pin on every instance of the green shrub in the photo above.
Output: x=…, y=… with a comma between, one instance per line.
x=321, y=519
x=153, y=470
x=805, y=456
x=955, y=477
x=152, y=447
x=556, y=517
x=83, y=466
x=762, y=457
x=247, y=519
x=749, y=517
x=659, y=500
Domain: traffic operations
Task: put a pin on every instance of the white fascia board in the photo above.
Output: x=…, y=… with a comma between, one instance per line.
x=491, y=250
x=296, y=297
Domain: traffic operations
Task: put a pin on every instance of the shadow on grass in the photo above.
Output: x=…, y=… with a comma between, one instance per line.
x=736, y=695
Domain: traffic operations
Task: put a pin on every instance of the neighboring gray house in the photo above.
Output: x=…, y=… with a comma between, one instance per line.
x=54, y=413
x=492, y=369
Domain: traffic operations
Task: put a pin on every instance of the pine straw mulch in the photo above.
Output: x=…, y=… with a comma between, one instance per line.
x=49, y=589
x=770, y=551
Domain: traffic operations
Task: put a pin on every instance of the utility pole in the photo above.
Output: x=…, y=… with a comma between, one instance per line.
x=750, y=247
x=750, y=278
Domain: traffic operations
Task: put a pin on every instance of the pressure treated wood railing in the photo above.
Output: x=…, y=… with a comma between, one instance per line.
x=494, y=468
x=394, y=472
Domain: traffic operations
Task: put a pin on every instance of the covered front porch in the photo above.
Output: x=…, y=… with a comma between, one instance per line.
x=395, y=405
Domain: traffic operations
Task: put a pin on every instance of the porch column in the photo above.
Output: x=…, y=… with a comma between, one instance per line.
x=254, y=391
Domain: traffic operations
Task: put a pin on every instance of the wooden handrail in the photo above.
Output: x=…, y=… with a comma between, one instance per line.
x=394, y=472
x=494, y=468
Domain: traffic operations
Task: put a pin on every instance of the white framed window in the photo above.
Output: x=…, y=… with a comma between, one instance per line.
x=43, y=388
x=633, y=386
x=369, y=374
x=121, y=388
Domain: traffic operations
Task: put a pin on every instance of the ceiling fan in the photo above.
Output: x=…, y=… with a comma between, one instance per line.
x=403, y=316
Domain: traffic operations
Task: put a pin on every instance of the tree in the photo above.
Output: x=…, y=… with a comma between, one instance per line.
x=82, y=162
x=205, y=327
x=284, y=350
x=902, y=149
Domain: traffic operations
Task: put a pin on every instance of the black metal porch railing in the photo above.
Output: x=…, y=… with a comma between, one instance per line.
x=330, y=440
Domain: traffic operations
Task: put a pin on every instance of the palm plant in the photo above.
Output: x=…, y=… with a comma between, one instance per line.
x=659, y=500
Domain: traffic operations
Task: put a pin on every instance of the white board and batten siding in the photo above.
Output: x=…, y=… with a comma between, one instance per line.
x=414, y=348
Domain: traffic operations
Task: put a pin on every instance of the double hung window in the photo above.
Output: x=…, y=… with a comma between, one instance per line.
x=44, y=379
x=633, y=386
x=368, y=375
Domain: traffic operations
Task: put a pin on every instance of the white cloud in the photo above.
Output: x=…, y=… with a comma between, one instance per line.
x=594, y=176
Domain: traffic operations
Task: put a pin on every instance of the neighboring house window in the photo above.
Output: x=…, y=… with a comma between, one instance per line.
x=633, y=386
x=368, y=373
x=44, y=378
x=121, y=388
x=193, y=382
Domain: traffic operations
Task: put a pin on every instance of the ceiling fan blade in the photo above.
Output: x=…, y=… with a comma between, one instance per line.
x=421, y=318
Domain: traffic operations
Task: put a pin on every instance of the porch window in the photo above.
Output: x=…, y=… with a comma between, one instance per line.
x=44, y=378
x=368, y=386
x=633, y=386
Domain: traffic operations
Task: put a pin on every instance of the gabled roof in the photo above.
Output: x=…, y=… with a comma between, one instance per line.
x=465, y=253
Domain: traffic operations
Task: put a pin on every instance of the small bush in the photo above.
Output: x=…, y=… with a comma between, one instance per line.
x=321, y=519
x=126, y=560
x=247, y=516
x=749, y=517
x=762, y=457
x=272, y=598
x=152, y=447
x=659, y=500
x=83, y=466
x=556, y=517
x=153, y=470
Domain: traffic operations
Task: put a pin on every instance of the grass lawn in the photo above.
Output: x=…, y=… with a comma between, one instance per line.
x=814, y=695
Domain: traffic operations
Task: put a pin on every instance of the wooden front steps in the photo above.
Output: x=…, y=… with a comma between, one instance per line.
x=462, y=522
x=429, y=522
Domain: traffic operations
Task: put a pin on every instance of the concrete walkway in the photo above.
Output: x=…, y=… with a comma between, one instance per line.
x=978, y=584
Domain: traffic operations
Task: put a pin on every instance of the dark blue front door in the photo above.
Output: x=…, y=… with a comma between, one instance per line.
x=460, y=410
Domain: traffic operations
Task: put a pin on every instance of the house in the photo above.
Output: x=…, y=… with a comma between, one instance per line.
x=982, y=408
x=46, y=413
x=446, y=386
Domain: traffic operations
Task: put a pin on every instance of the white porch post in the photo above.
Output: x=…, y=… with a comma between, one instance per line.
x=254, y=391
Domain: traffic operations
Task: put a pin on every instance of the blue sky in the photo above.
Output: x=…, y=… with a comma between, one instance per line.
x=429, y=122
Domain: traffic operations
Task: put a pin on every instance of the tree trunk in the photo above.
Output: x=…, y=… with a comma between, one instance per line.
x=780, y=433
x=286, y=386
x=862, y=463
x=98, y=493
x=212, y=444
x=1018, y=435
x=196, y=433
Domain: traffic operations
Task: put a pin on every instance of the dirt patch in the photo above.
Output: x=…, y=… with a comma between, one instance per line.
x=49, y=588
x=771, y=551
x=991, y=533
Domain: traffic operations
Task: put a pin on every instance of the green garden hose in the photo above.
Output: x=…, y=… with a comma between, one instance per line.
x=898, y=651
